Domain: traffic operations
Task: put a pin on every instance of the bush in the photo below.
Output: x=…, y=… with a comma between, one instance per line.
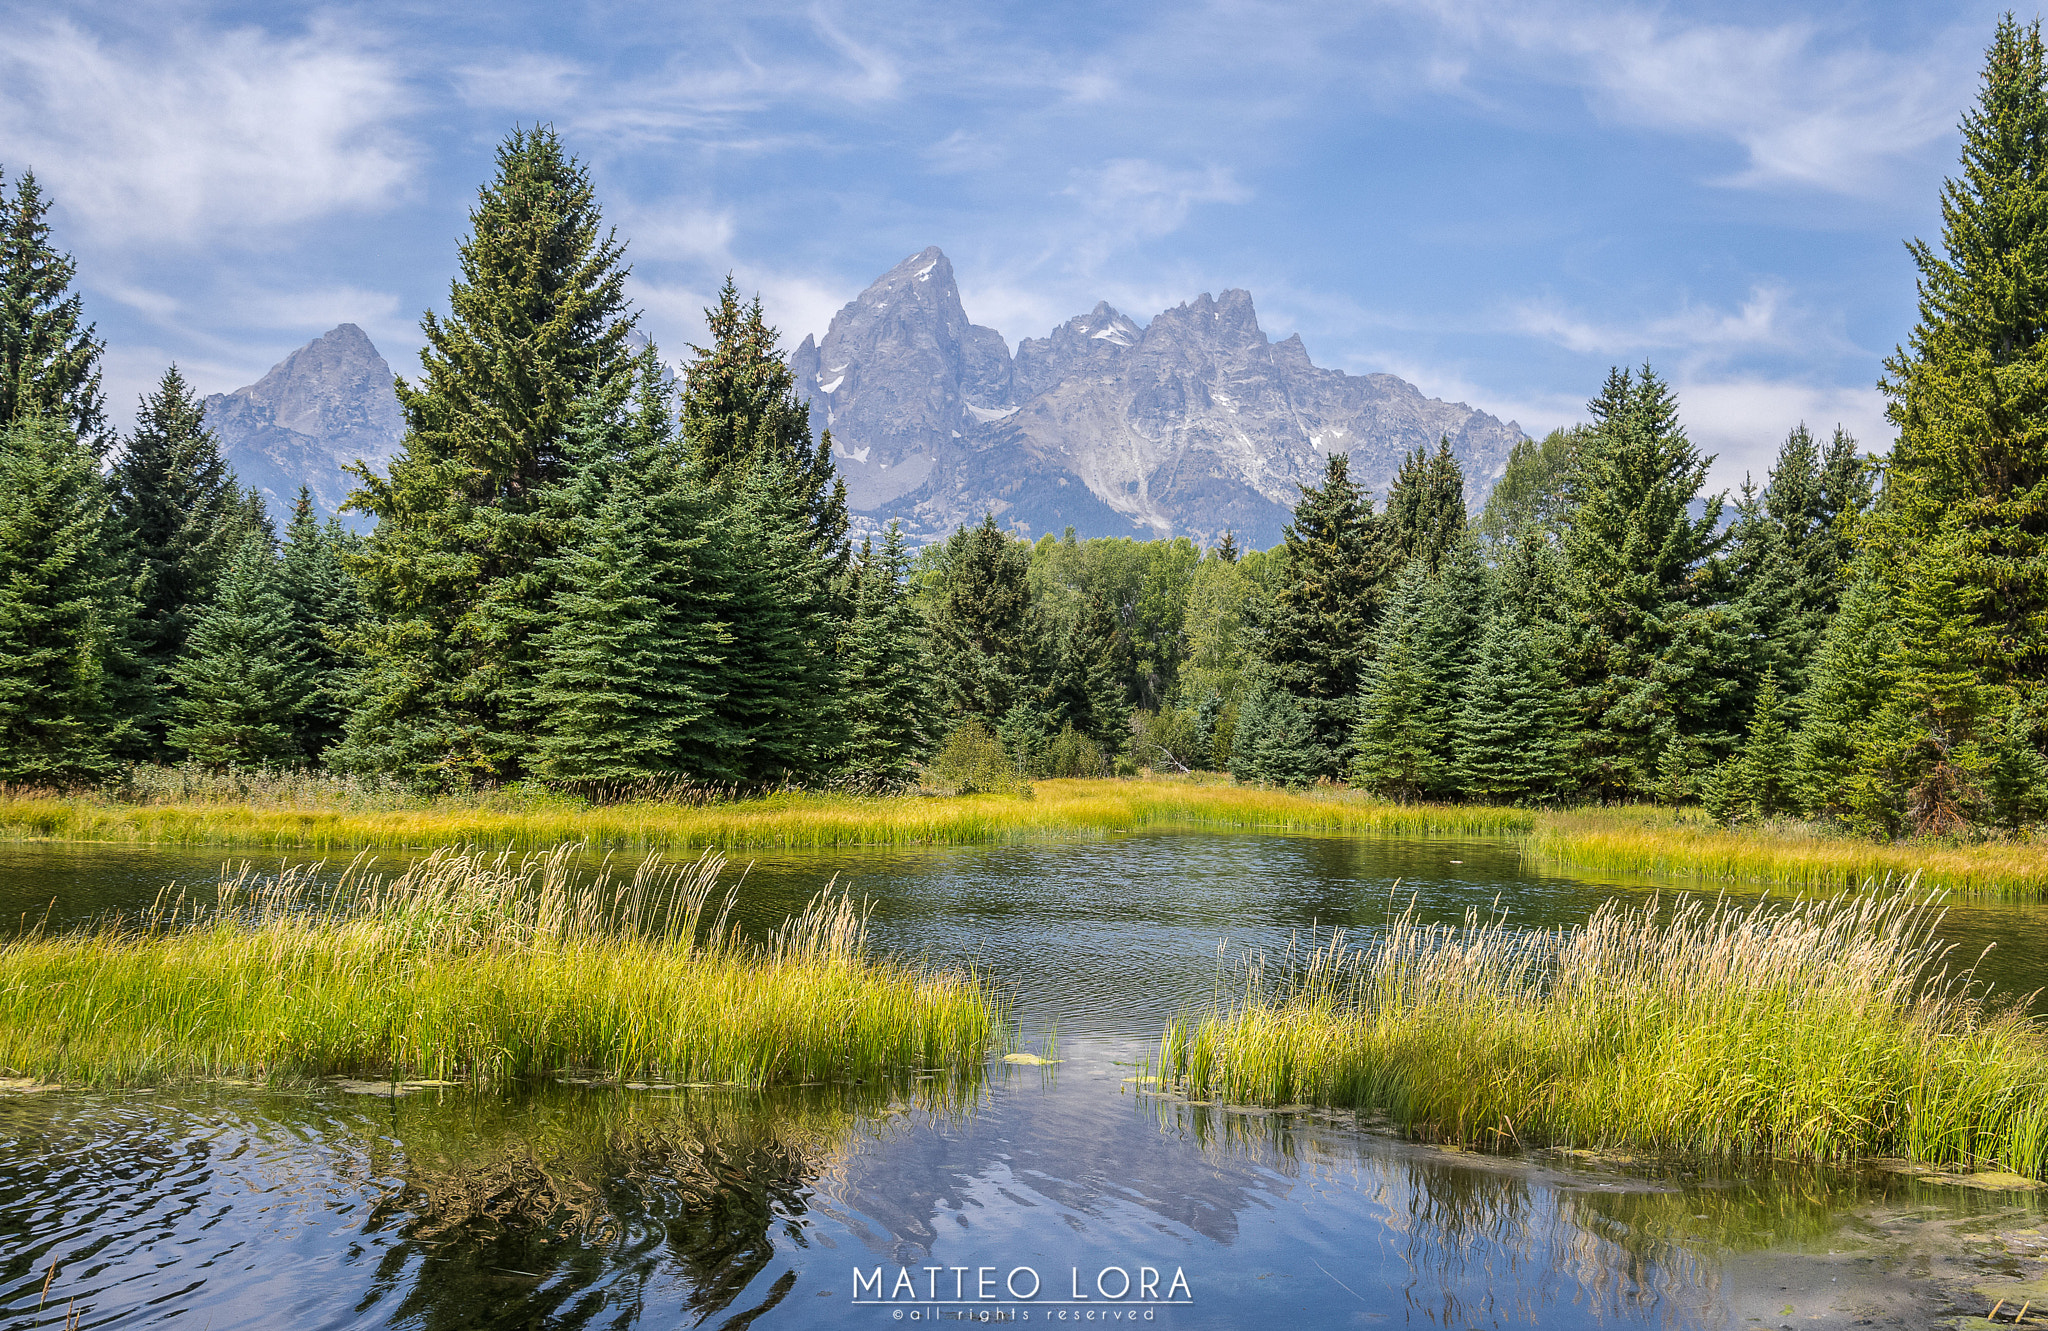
x=1072, y=753
x=972, y=762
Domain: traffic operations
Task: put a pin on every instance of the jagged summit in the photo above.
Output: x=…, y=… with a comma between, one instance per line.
x=1193, y=425
x=320, y=409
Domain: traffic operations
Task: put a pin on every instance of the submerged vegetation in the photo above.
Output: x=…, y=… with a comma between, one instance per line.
x=478, y=968
x=1821, y=1030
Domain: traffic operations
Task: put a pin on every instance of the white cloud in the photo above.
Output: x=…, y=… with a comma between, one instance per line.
x=1806, y=107
x=186, y=134
x=526, y=82
x=1769, y=320
x=1743, y=419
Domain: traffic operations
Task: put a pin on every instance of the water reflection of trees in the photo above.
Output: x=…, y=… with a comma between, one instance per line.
x=1493, y=1239
x=577, y=1206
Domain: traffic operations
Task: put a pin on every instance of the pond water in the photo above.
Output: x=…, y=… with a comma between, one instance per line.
x=1043, y=1194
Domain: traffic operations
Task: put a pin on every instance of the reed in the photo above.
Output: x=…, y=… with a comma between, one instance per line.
x=790, y=819
x=1801, y=856
x=483, y=969
x=1822, y=1030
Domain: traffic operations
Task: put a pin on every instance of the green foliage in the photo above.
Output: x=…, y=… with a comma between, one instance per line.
x=620, y=686
x=1758, y=782
x=1089, y=666
x=242, y=680
x=972, y=762
x=1530, y=491
x=468, y=521
x=742, y=412
x=65, y=612
x=1848, y=681
x=1315, y=636
x=1272, y=742
x=983, y=627
x=1652, y=654
x=1510, y=744
x=327, y=612
x=1174, y=739
x=1072, y=754
x=178, y=504
x=1425, y=513
x=891, y=713
x=49, y=360
x=1395, y=747
x=1961, y=535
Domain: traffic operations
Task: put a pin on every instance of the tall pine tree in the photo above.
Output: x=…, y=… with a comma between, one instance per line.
x=1426, y=507
x=1316, y=634
x=65, y=612
x=1963, y=528
x=327, y=614
x=891, y=712
x=49, y=358
x=1652, y=655
x=984, y=629
x=181, y=510
x=1510, y=744
x=469, y=520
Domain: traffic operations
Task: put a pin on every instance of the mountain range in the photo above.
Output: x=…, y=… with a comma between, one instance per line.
x=1195, y=424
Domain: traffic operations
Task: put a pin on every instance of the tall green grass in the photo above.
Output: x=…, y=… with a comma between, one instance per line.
x=795, y=820
x=1820, y=1031
x=1657, y=842
x=479, y=968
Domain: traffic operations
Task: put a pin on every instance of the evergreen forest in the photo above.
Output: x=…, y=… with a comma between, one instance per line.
x=594, y=573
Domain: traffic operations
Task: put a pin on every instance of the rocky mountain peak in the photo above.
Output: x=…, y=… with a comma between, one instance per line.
x=322, y=408
x=1194, y=424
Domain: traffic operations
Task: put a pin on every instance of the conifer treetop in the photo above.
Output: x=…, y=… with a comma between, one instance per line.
x=537, y=318
x=49, y=358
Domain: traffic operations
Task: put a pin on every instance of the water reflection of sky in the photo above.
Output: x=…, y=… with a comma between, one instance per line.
x=580, y=1207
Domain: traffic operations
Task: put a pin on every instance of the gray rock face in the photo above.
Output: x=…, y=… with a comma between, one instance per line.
x=1194, y=425
x=327, y=405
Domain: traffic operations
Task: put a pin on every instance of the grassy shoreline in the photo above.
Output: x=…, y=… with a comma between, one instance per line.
x=1820, y=1031
x=481, y=970
x=1634, y=841
x=776, y=821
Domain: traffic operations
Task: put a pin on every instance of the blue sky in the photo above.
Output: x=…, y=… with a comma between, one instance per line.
x=1495, y=200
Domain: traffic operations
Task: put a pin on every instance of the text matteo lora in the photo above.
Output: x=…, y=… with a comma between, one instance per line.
x=953, y=1286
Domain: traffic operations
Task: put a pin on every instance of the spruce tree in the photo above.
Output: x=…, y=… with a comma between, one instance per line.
x=1316, y=634
x=1963, y=527
x=242, y=681
x=1426, y=507
x=178, y=502
x=327, y=614
x=65, y=612
x=49, y=359
x=1510, y=744
x=984, y=629
x=1652, y=656
x=469, y=519
x=614, y=705
x=1759, y=780
x=741, y=408
x=1273, y=742
x=891, y=711
x=632, y=665
x=1090, y=662
x=777, y=686
x=1394, y=747
x=1848, y=680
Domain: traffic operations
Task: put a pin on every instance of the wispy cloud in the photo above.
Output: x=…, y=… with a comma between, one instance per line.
x=187, y=134
x=1807, y=106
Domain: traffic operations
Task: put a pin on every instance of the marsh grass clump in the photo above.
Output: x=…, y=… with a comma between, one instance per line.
x=1820, y=1030
x=1783, y=853
x=480, y=968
